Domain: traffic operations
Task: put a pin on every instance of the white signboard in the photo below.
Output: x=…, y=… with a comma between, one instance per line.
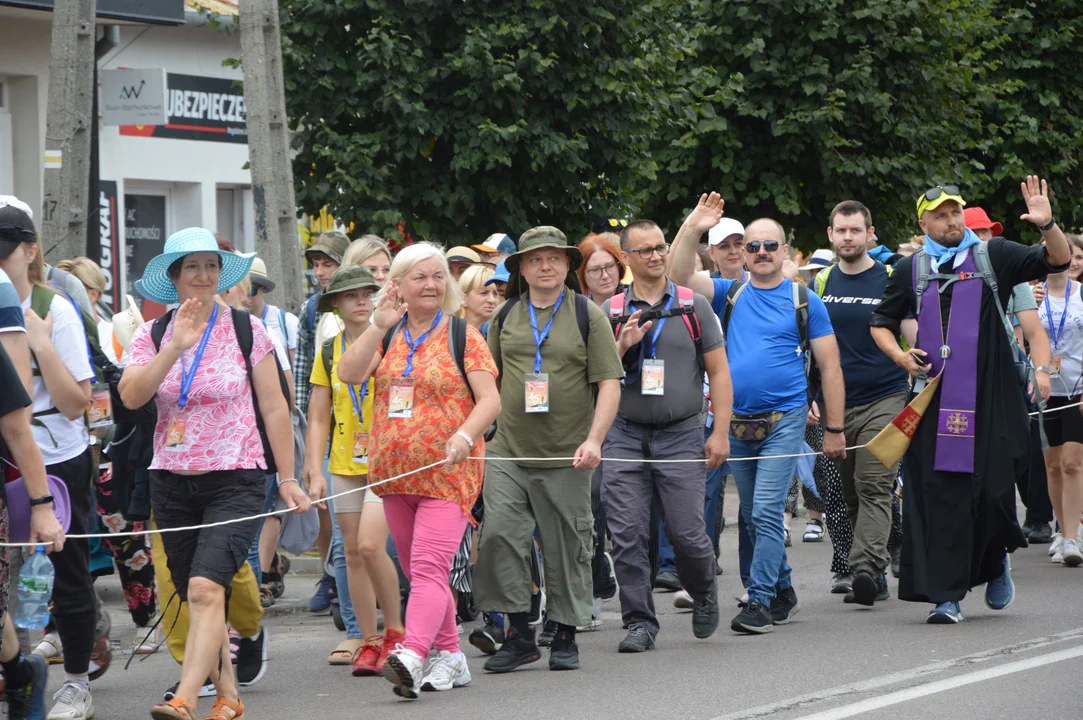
x=133, y=97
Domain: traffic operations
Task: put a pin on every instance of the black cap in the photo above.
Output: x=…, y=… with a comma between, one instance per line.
x=15, y=227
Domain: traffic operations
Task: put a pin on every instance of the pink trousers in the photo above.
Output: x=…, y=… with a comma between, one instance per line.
x=427, y=534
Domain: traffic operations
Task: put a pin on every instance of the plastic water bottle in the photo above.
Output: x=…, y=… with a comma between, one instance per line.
x=35, y=591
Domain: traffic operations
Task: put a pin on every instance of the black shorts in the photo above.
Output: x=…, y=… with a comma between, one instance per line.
x=1063, y=426
x=215, y=553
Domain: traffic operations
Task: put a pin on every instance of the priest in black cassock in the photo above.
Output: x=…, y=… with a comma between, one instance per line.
x=960, y=470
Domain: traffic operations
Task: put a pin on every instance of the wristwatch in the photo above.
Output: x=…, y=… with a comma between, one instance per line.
x=43, y=500
x=1044, y=368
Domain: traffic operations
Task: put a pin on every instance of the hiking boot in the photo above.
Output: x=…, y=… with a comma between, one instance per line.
x=754, y=619
x=489, y=637
x=784, y=606
x=516, y=651
x=882, y=592
x=564, y=653
x=639, y=639
x=705, y=615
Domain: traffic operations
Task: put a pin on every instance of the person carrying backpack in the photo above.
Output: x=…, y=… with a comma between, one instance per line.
x=661, y=417
x=434, y=395
x=222, y=421
x=774, y=328
x=62, y=374
x=972, y=442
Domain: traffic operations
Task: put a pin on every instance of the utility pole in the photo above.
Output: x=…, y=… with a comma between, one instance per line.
x=277, y=240
x=68, y=129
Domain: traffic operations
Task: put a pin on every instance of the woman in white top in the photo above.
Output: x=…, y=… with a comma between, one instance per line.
x=62, y=375
x=1061, y=313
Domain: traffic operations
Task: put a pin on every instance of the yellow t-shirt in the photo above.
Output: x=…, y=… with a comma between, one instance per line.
x=348, y=433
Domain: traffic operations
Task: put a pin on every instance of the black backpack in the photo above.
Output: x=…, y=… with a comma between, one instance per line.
x=242, y=326
x=456, y=345
x=582, y=317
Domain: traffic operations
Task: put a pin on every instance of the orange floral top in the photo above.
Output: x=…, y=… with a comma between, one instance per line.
x=442, y=402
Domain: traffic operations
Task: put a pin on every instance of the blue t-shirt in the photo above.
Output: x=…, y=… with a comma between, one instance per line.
x=851, y=300
x=11, y=309
x=767, y=368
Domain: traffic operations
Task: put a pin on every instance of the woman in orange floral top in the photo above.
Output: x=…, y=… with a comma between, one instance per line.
x=425, y=412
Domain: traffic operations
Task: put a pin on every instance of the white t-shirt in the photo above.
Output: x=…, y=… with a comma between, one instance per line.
x=280, y=347
x=272, y=320
x=62, y=439
x=1069, y=343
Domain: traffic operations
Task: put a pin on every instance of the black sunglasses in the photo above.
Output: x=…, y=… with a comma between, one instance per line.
x=768, y=245
x=934, y=193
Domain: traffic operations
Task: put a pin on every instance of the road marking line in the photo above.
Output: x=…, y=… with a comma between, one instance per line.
x=939, y=686
x=917, y=673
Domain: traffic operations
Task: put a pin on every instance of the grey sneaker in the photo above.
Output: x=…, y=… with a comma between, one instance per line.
x=705, y=615
x=639, y=639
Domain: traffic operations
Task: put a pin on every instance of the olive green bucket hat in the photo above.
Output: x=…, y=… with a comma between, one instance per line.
x=347, y=277
x=333, y=244
x=544, y=236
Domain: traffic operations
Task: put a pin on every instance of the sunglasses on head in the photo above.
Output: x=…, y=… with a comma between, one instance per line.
x=934, y=193
x=768, y=245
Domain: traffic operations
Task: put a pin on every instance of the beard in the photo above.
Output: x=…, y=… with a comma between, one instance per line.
x=950, y=238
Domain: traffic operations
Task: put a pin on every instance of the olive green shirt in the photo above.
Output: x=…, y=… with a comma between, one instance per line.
x=572, y=370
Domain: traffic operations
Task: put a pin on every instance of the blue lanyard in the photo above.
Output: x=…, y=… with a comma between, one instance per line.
x=539, y=336
x=414, y=346
x=187, y=376
x=1055, y=337
x=661, y=323
x=263, y=317
x=353, y=393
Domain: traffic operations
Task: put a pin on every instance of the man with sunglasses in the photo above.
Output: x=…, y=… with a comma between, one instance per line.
x=770, y=394
x=972, y=443
x=661, y=417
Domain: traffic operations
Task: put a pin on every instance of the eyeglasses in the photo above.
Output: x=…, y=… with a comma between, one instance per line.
x=933, y=193
x=768, y=245
x=646, y=253
x=597, y=272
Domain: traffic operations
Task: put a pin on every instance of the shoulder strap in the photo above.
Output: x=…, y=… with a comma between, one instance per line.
x=243, y=328
x=504, y=312
x=582, y=317
x=40, y=300
x=686, y=299
x=985, y=270
x=921, y=269
x=731, y=299
x=283, y=329
x=327, y=355
x=389, y=336
x=616, y=310
x=157, y=329
x=800, y=306
x=821, y=279
x=456, y=345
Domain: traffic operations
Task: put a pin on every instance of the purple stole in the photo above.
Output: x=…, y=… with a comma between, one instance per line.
x=956, y=357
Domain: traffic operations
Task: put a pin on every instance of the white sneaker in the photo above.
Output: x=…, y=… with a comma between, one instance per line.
x=72, y=703
x=682, y=600
x=403, y=668
x=50, y=648
x=743, y=597
x=595, y=618
x=1054, y=547
x=447, y=671
x=1070, y=553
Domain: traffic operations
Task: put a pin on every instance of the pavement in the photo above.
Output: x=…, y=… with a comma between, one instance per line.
x=833, y=661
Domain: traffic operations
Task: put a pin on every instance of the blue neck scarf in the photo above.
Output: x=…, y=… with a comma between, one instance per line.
x=940, y=254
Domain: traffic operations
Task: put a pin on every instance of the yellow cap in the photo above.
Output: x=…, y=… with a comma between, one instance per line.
x=946, y=192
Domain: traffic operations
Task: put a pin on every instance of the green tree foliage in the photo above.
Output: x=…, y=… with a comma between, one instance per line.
x=467, y=118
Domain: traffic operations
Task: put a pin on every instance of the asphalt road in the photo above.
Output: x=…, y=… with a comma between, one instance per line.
x=834, y=661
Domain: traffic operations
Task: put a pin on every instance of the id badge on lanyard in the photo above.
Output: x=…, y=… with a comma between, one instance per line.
x=536, y=398
x=653, y=380
x=99, y=411
x=400, y=404
x=361, y=447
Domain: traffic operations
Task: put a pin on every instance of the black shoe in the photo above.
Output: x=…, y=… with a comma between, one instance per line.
x=516, y=651
x=667, y=580
x=1039, y=532
x=489, y=637
x=252, y=659
x=639, y=639
x=28, y=701
x=609, y=586
x=864, y=591
x=896, y=558
x=549, y=631
x=564, y=654
x=754, y=619
x=705, y=615
x=784, y=606
x=882, y=592
x=208, y=690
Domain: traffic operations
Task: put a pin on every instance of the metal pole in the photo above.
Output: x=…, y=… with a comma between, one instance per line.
x=68, y=130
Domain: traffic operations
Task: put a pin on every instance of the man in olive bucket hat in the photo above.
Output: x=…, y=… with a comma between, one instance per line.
x=559, y=389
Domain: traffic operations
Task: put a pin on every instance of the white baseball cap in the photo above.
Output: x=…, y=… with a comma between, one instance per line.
x=819, y=260
x=725, y=227
x=11, y=200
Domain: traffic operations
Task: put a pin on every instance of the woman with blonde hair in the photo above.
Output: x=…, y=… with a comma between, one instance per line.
x=419, y=394
x=372, y=252
x=479, y=297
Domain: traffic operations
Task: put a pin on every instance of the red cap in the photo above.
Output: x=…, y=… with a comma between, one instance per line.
x=977, y=219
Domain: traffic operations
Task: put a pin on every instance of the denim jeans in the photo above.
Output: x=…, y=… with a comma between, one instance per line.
x=338, y=560
x=716, y=485
x=762, y=486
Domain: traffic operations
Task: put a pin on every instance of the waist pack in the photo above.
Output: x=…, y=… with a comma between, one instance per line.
x=754, y=428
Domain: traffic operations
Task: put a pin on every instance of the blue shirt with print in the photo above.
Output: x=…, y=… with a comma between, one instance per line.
x=767, y=369
x=11, y=309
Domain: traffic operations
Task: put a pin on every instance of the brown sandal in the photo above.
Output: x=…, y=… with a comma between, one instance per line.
x=346, y=651
x=226, y=710
x=174, y=709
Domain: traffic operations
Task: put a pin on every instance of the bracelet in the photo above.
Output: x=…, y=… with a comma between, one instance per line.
x=837, y=431
x=43, y=500
x=283, y=481
x=465, y=437
x=1049, y=225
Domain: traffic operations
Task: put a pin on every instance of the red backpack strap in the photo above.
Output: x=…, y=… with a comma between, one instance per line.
x=686, y=299
x=616, y=309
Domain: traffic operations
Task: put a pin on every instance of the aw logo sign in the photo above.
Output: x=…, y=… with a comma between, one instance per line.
x=133, y=97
